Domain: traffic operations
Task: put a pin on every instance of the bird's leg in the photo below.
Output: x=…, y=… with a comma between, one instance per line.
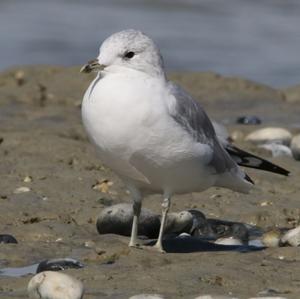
x=137, y=204
x=165, y=208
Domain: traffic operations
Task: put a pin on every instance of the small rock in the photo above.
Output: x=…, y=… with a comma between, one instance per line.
x=177, y=223
x=117, y=219
x=277, y=150
x=248, y=120
x=103, y=186
x=27, y=179
x=147, y=296
x=21, y=190
x=292, y=237
x=272, y=238
x=89, y=244
x=7, y=239
x=20, y=77
x=54, y=285
x=270, y=135
x=58, y=265
x=295, y=147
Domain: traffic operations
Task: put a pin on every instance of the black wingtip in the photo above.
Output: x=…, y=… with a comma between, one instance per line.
x=246, y=159
x=247, y=178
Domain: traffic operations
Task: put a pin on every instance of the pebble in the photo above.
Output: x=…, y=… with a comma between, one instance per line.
x=295, y=147
x=21, y=190
x=272, y=238
x=248, y=120
x=58, y=265
x=54, y=285
x=27, y=179
x=277, y=150
x=292, y=237
x=20, y=77
x=7, y=239
x=177, y=223
x=270, y=135
x=147, y=296
x=117, y=219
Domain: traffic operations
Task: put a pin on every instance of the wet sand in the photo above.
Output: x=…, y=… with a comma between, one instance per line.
x=43, y=143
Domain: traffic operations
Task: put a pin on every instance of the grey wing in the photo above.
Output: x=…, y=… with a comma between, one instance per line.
x=189, y=114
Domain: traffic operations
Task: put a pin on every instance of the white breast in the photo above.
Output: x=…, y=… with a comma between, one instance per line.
x=126, y=116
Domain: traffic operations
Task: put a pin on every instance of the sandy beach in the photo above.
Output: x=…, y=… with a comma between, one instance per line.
x=48, y=203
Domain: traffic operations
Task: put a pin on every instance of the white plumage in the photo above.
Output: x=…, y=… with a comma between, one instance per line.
x=150, y=131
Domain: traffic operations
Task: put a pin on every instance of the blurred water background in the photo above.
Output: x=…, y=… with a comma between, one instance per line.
x=256, y=39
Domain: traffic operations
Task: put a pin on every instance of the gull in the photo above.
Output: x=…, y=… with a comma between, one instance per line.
x=152, y=133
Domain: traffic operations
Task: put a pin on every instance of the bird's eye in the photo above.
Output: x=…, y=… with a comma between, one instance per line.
x=129, y=54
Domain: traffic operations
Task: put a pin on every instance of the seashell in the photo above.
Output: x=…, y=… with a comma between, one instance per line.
x=270, y=135
x=54, y=285
x=21, y=190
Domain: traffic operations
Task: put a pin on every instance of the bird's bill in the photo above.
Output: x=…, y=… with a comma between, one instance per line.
x=92, y=65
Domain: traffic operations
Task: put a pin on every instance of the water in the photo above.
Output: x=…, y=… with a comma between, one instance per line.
x=259, y=40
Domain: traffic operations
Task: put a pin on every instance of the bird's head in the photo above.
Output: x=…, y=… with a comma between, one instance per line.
x=128, y=49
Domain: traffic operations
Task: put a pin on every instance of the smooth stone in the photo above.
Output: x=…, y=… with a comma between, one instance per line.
x=295, y=147
x=7, y=239
x=177, y=223
x=292, y=237
x=117, y=219
x=248, y=120
x=277, y=150
x=58, y=265
x=272, y=238
x=147, y=296
x=228, y=241
x=54, y=285
x=270, y=135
